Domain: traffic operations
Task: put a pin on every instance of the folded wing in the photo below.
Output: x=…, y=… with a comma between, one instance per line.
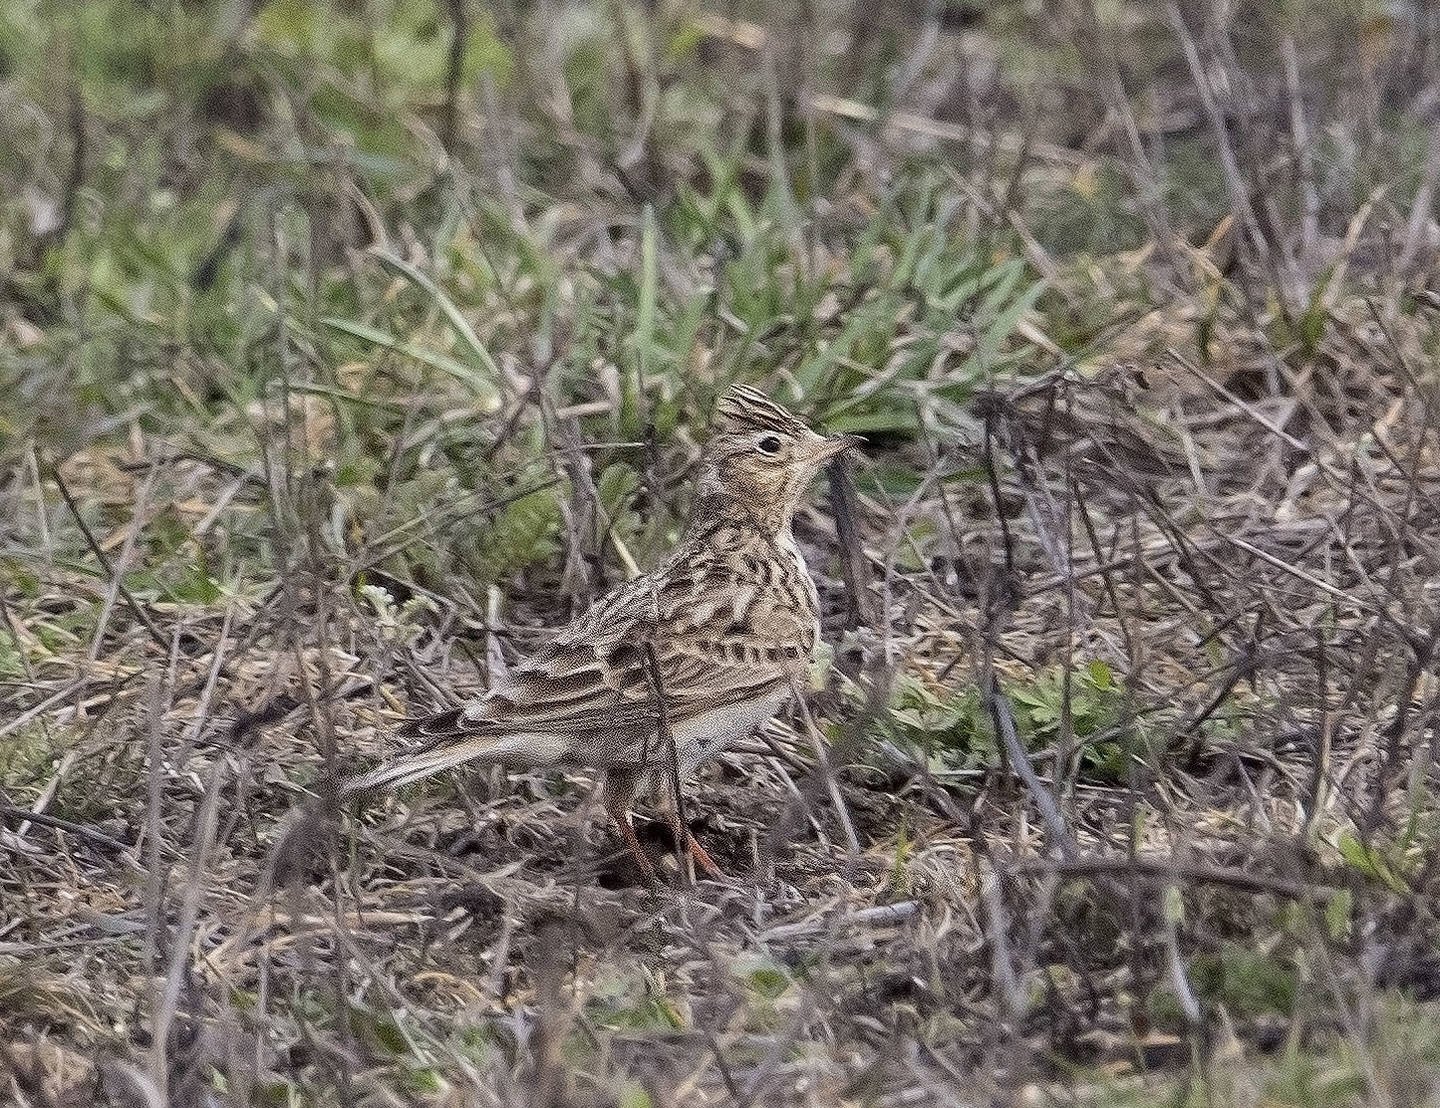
x=593, y=683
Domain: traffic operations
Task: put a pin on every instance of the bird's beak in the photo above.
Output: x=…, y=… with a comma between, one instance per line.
x=835, y=444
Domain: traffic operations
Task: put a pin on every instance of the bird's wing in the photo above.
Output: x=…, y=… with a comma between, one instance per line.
x=594, y=676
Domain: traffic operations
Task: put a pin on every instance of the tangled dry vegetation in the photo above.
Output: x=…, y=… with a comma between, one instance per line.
x=1117, y=785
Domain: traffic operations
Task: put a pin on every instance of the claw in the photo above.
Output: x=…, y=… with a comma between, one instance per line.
x=702, y=858
x=698, y=854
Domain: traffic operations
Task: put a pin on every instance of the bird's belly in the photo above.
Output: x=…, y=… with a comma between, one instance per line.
x=702, y=737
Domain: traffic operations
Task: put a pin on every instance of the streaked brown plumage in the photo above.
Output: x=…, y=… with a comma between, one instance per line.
x=730, y=617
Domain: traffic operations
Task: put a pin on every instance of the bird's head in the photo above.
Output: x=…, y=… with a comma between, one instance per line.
x=761, y=457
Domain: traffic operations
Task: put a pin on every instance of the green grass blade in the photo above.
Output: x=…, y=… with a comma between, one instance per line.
x=478, y=384
x=468, y=338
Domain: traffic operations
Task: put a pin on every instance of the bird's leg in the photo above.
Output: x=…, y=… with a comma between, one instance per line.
x=683, y=838
x=698, y=853
x=627, y=832
x=617, y=793
x=703, y=859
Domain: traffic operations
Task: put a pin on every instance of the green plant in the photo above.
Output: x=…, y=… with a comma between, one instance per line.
x=1096, y=703
x=954, y=730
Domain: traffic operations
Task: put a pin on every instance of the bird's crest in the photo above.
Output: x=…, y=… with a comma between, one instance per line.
x=742, y=408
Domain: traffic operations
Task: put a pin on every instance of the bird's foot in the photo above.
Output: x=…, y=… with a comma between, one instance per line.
x=703, y=862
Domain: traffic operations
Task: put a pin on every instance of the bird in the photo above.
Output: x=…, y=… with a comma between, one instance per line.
x=703, y=649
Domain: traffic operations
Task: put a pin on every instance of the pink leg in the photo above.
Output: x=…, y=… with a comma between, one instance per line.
x=616, y=794
x=627, y=832
x=683, y=838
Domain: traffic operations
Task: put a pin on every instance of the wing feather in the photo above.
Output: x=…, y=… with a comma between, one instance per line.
x=593, y=676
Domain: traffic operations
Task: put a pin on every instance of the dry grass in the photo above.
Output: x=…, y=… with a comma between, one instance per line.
x=1117, y=787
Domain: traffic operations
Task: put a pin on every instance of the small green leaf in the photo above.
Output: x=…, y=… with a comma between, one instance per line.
x=1368, y=861
x=764, y=977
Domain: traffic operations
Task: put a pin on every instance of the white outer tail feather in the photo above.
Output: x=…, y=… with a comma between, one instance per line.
x=530, y=750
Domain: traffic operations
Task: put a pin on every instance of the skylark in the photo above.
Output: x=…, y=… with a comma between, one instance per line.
x=706, y=647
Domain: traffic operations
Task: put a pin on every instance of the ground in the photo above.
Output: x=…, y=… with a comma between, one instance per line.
x=352, y=348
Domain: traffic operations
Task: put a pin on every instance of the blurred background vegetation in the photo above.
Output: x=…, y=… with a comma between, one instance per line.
x=402, y=209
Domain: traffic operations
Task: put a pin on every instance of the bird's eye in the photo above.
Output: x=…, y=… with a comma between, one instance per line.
x=770, y=444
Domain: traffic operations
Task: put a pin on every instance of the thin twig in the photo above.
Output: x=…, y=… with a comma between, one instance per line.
x=1168, y=869
x=817, y=741
x=998, y=705
x=22, y=816
x=840, y=475
x=667, y=737
x=454, y=71
x=130, y=601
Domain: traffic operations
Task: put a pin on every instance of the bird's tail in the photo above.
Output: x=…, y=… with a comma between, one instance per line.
x=524, y=749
